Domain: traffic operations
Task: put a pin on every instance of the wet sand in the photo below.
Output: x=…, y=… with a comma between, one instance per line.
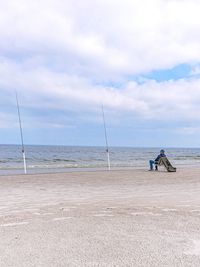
x=116, y=218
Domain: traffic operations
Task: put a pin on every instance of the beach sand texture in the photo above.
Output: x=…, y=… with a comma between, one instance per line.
x=116, y=218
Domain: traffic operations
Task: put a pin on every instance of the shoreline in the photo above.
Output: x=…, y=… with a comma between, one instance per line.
x=13, y=172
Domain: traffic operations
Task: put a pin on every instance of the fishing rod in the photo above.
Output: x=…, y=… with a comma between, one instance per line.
x=106, y=138
x=21, y=134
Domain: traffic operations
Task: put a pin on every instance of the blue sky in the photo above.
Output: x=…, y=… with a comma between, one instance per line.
x=65, y=60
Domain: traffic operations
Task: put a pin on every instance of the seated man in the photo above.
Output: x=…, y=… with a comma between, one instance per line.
x=155, y=162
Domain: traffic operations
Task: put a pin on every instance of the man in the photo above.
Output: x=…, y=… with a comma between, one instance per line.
x=155, y=162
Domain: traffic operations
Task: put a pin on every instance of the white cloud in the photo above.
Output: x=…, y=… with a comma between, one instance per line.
x=104, y=38
x=44, y=89
x=60, y=54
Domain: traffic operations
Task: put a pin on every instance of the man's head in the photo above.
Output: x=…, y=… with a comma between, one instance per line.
x=162, y=151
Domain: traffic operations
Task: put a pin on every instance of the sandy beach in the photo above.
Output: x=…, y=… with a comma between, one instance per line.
x=116, y=218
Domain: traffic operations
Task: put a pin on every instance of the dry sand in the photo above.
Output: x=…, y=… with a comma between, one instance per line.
x=117, y=218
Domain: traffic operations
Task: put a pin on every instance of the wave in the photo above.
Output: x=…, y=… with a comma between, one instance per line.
x=63, y=160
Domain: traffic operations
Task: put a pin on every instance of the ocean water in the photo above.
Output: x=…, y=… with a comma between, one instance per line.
x=44, y=159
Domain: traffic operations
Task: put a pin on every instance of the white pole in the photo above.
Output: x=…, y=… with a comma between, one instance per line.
x=106, y=138
x=21, y=133
x=24, y=159
x=108, y=155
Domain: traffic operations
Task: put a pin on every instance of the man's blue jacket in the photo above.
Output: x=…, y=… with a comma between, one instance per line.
x=160, y=156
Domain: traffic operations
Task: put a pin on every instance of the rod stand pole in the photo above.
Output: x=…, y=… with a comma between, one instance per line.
x=24, y=159
x=108, y=156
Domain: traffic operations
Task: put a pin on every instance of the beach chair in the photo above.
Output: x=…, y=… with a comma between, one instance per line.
x=166, y=163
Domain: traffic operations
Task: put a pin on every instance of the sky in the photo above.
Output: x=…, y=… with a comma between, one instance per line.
x=65, y=58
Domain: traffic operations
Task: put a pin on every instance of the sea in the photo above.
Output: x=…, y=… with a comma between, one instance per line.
x=50, y=159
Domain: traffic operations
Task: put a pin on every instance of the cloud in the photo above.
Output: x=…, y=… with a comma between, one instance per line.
x=67, y=57
x=106, y=39
x=45, y=90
